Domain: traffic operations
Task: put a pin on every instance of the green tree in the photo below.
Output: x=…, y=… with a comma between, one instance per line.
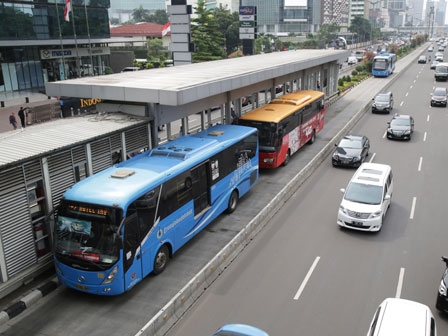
x=160, y=17
x=361, y=27
x=205, y=33
x=326, y=34
x=139, y=14
x=267, y=43
x=156, y=50
x=228, y=24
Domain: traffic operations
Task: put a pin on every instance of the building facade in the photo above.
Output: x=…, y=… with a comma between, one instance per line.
x=122, y=9
x=38, y=45
x=281, y=17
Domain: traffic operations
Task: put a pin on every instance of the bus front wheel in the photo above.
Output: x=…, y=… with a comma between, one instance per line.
x=233, y=202
x=287, y=157
x=161, y=260
x=313, y=138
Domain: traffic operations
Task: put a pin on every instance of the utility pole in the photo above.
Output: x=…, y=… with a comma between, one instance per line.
x=431, y=21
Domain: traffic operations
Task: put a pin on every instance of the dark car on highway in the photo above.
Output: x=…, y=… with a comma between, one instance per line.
x=351, y=151
x=383, y=102
x=439, y=96
x=400, y=127
x=442, y=295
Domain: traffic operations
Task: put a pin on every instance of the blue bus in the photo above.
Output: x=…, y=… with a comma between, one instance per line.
x=383, y=64
x=115, y=227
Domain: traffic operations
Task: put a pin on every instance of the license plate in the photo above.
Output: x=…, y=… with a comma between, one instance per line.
x=357, y=223
x=82, y=287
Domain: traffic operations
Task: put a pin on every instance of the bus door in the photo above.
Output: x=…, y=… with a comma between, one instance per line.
x=201, y=186
x=140, y=223
x=132, y=261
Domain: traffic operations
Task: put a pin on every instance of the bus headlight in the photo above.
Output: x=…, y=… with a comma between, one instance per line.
x=111, y=276
x=268, y=160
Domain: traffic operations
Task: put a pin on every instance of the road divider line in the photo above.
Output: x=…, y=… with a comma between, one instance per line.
x=400, y=283
x=307, y=277
x=420, y=164
x=424, y=137
x=414, y=200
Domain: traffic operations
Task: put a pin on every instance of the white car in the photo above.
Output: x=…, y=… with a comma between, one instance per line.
x=352, y=60
x=367, y=198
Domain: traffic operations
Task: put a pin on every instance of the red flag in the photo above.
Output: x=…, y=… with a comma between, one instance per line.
x=67, y=10
x=166, y=28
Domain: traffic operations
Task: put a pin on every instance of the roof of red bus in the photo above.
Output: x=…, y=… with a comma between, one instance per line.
x=281, y=107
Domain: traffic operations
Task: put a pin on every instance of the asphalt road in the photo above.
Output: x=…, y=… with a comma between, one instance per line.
x=305, y=276
x=75, y=313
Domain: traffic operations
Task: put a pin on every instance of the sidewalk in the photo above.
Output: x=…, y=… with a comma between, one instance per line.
x=12, y=103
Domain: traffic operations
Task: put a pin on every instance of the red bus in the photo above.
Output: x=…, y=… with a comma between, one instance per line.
x=286, y=124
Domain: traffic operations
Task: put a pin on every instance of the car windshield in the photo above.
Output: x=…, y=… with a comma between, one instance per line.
x=400, y=122
x=439, y=92
x=382, y=98
x=350, y=143
x=364, y=193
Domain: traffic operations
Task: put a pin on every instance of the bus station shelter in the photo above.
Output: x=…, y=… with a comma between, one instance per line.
x=168, y=94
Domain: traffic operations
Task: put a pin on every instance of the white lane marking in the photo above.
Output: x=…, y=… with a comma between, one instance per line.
x=414, y=200
x=406, y=94
x=372, y=157
x=410, y=87
x=420, y=164
x=305, y=281
x=415, y=80
x=424, y=137
x=401, y=104
x=427, y=118
x=385, y=133
x=400, y=283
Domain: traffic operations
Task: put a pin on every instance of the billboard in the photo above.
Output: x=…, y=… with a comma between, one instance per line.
x=296, y=3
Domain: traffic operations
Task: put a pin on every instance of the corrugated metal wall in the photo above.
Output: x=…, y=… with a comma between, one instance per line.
x=15, y=224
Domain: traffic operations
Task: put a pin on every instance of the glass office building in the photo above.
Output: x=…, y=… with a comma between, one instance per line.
x=37, y=44
x=281, y=17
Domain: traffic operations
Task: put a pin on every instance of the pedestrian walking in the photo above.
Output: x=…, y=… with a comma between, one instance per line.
x=21, y=114
x=12, y=120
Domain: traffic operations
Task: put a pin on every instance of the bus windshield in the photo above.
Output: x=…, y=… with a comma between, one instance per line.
x=380, y=64
x=267, y=134
x=86, y=234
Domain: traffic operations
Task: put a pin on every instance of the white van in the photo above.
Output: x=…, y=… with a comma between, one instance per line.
x=402, y=317
x=352, y=60
x=367, y=198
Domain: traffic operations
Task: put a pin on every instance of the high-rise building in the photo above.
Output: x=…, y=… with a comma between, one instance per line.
x=440, y=13
x=337, y=12
x=38, y=43
x=123, y=9
x=281, y=17
x=415, y=12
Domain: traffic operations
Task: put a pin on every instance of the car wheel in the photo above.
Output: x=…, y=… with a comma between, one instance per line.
x=287, y=157
x=233, y=202
x=161, y=260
